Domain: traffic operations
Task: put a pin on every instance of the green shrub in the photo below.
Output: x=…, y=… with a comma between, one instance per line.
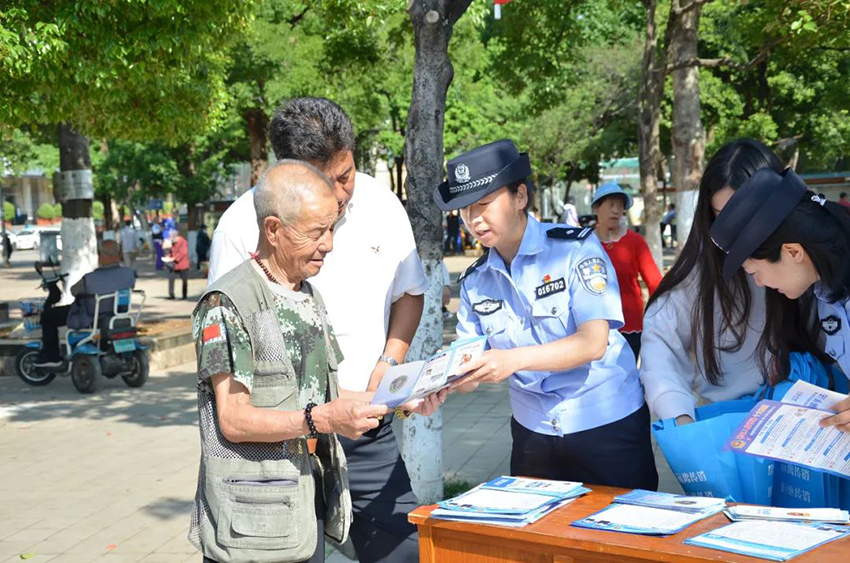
x=8, y=210
x=46, y=211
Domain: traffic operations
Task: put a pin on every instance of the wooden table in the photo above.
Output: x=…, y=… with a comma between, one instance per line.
x=553, y=540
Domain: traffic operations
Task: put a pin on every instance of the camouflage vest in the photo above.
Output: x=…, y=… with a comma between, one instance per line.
x=256, y=501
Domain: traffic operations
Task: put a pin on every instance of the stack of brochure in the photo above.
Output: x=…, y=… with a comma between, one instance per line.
x=651, y=513
x=509, y=501
x=778, y=541
x=823, y=515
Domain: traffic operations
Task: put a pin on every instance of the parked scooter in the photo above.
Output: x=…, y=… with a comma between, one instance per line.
x=93, y=353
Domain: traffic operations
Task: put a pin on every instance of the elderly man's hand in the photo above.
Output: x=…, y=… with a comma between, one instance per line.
x=348, y=417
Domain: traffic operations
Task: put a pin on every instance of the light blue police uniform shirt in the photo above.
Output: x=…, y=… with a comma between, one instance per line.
x=553, y=286
x=834, y=319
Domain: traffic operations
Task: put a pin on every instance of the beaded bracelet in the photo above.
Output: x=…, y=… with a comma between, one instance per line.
x=308, y=414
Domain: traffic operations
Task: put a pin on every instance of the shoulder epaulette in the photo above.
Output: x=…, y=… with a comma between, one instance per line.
x=569, y=233
x=473, y=267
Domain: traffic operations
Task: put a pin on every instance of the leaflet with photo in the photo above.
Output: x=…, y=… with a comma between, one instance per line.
x=777, y=541
x=415, y=380
x=791, y=433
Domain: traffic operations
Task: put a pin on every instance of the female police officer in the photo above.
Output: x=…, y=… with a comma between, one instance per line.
x=547, y=299
x=795, y=244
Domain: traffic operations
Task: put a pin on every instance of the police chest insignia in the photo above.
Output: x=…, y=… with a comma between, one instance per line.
x=593, y=275
x=830, y=325
x=487, y=307
x=550, y=287
x=462, y=173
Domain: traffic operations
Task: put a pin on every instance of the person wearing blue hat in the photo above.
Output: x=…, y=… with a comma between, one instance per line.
x=795, y=243
x=629, y=254
x=546, y=297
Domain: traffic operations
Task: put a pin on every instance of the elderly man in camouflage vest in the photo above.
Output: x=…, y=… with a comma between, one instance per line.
x=273, y=476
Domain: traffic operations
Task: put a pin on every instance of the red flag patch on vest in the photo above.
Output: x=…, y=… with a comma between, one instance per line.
x=213, y=333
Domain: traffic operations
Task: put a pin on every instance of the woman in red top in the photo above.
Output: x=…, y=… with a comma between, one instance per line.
x=179, y=263
x=630, y=256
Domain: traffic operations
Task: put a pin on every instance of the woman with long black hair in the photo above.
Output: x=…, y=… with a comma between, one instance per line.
x=796, y=244
x=701, y=332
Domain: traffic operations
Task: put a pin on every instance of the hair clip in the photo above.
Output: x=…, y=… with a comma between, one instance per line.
x=817, y=199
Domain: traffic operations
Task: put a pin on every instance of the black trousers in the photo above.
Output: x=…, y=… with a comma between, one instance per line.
x=633, y=338
x=184, y=275
x=51, y=319
x=617, y=454
x=319, y=554
x=382, y=497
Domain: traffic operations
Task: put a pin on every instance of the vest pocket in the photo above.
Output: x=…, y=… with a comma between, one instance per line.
x=272, y=391
x=267, y=515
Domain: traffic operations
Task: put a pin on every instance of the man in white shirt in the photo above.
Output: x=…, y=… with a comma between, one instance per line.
x=570, y=216
x=372, y=284
x=129, y=244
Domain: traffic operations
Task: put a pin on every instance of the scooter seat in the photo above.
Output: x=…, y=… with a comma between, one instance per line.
x=76, y=337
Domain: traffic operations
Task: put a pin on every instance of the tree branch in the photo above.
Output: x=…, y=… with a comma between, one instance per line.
x=678, y=10
x=726, y=62
x=293, y=21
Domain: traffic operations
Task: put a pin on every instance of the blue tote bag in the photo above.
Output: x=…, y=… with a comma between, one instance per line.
x=696, y=457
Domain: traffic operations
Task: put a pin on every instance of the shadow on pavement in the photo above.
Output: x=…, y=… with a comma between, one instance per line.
x=163, y=401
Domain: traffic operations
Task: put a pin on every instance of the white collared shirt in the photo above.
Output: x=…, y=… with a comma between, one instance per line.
x=374, y=263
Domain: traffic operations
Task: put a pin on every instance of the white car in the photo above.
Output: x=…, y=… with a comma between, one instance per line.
x=30, y=238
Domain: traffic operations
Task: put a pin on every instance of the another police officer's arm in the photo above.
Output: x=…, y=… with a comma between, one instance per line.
x=240, y=421
x=587, y=344
x=841, y=420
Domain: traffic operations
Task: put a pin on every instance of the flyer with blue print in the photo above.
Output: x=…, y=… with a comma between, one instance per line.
x=777, y=541
x=643, y=520
x=416, y=380
x=791, y=433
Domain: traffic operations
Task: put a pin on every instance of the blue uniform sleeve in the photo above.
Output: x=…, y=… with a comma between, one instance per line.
x=594, y=291
x=467, y=320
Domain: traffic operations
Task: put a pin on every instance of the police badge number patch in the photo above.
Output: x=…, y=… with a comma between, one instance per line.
x=487, y=307
x=830, y=325
x=550, y=287
x=593, y=275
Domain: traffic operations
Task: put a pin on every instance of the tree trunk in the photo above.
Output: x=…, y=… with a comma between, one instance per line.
x=650, y=92
x=399, y=175
x=108, y=217
x=257, y=125
x=433, y=21
x=688, y=133
x=79, y=242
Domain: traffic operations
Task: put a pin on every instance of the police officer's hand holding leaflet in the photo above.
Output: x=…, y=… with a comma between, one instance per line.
x=794, y=243
x=273, y=478
x=546, y=298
